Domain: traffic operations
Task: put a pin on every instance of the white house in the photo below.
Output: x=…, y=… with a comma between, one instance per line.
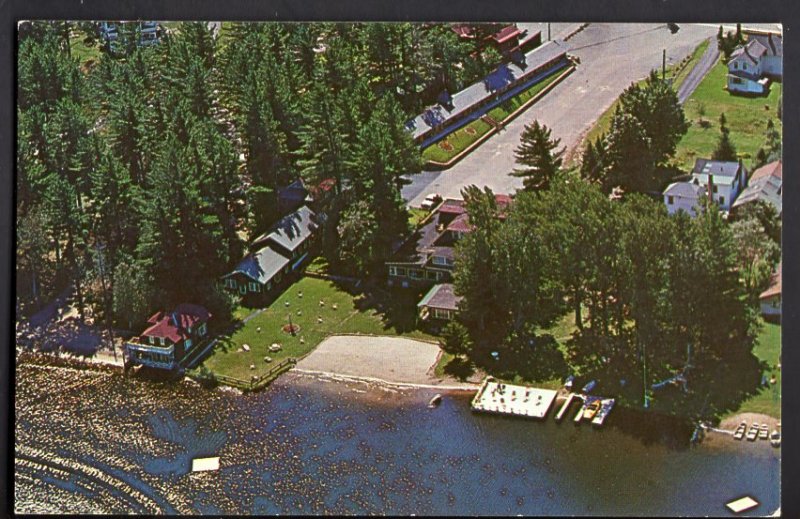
x=752, y=65
x=770, y=299
x=725, y=180
x=684, y=196
x=766, y=184
x=772, y=59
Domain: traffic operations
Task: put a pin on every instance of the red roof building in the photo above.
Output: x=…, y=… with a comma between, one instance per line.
x=166, y=344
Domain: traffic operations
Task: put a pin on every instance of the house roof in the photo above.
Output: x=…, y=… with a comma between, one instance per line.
x=766, y=188
x=768, y=170
x=479, y=91
x=460, y=224
x=506, y=33
x=261, y=266
x=441, y=296
x=173, y=325
x=752, y=51
x=774, y=284
x=452, y=206
x=773, y=43
x=704, y=167
x=685, y=190
x=291, y=230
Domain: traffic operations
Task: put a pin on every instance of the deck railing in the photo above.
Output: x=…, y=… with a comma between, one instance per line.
x=257, y=382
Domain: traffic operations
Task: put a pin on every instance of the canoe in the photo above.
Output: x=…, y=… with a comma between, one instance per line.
x=436, y=400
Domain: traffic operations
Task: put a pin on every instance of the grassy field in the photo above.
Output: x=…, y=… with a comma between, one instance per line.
x=767, y=400
x=416, y=215
x=501, y=112
x=456, y=142
x=356, y=312
x=676, y=72
x=746, y=117
x=85, y=54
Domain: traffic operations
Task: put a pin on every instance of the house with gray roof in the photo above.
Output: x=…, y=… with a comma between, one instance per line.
x=766, y=185
x=275, y=254
x=725, y=180
x=752, y=65
x=440, y=303
x=684, y=196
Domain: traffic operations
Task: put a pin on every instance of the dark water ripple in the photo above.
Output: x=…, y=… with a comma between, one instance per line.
x=310, y=447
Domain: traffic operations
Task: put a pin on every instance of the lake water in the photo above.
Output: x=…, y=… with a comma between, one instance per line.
x=96, y=442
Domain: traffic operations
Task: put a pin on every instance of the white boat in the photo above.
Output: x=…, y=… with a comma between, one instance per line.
x=436, y=400
x=752, y=434
x=763, y=433
x=740, y=431
x=775, y=439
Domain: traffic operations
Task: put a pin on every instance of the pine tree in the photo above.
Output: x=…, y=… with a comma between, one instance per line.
x=725, y=150
x=539, y=153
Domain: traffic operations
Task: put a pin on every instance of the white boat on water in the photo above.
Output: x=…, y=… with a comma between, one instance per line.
x=435, y=401
x=775, y=439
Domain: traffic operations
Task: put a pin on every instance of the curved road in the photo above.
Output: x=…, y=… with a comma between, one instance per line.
x=612, y=56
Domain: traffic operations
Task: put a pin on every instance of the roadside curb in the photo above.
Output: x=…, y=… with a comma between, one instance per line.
x=527, y=104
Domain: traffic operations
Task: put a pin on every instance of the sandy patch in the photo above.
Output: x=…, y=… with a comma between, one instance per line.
x=388, y=359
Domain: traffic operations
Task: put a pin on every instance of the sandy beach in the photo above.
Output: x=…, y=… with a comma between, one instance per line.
x=392, y=360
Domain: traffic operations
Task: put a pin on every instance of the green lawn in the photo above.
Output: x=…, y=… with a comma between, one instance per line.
x=82, y=52
x=677, y=72
x=501, y=112
x=746, y=117
x=416, y=215
x=767, y=349
x=456, y=142
x=377, y=313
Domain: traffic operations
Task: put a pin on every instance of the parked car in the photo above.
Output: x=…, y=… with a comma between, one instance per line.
x=431, y=201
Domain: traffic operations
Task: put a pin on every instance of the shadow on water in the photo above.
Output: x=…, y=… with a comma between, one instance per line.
x=652, y=428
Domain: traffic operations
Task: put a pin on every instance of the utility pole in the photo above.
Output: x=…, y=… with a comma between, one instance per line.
x=548, y=31
x=664, y=65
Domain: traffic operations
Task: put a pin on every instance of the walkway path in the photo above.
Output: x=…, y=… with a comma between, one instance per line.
x=699, y=71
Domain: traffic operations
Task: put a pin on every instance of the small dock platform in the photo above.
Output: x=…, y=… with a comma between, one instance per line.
x=496, y=397
x=565, y=407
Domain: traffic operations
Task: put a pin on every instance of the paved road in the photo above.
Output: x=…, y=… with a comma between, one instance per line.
x=612, y=57
x=699, y=71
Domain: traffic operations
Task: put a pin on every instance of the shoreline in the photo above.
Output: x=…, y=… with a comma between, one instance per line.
x=339, y=377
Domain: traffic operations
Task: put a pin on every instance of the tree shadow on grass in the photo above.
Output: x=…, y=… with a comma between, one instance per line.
x=459, y=368
x=536, y=360
x=396, y=308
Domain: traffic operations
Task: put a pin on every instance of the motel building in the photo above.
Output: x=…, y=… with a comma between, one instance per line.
x=170, y=337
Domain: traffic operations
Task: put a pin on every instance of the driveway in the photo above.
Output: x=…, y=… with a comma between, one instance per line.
x=612, y=56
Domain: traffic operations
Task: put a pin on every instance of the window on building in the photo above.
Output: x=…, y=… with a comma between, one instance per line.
x=670, y=200
x=744, y=66
x=401, y=271
x=187, y=344
x=414, y=273
x=202, y=329
x=151, y=340
x=722, y=200
x=439, y=260
x=715, y=189
x=736, y=65
x=392, y=271
x=161, y=340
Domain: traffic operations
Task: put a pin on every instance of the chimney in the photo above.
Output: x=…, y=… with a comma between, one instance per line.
x=710, y=188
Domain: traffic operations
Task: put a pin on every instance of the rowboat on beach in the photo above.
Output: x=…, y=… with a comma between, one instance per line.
x=436, y=400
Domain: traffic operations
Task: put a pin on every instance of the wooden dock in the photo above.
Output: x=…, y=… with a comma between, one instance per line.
x=497, y=397
x=565, y=407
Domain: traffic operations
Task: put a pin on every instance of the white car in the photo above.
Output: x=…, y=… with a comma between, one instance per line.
x=431, y=201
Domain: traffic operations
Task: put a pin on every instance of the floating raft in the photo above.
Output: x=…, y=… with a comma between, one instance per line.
x=565, y=407
x=205, y=464
x=740, y=505
x=496, y=397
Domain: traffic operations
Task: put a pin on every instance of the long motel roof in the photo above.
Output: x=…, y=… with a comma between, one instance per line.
x=504, y=75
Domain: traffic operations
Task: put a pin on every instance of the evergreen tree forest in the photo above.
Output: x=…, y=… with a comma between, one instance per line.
x=142, y=176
